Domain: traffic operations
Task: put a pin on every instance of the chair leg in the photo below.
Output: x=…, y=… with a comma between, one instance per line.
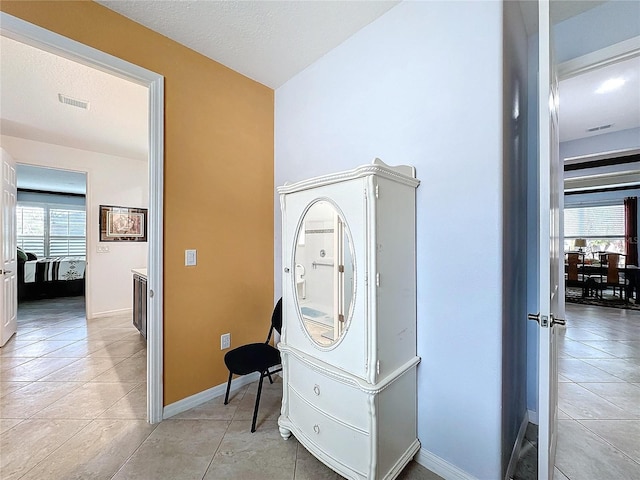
x=269, y=375
x=255, y=410
x=226, y=397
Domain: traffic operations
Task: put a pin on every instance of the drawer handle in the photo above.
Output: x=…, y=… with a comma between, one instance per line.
x=316, y=428
x=316, y=389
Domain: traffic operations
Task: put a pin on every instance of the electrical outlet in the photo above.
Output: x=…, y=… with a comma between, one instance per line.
x=225, y=341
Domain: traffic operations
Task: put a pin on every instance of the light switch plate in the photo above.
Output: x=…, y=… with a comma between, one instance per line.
x=102, y=249
x=190, y=258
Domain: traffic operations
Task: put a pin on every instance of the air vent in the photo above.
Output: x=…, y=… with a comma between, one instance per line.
x=74, y=102
x=601, y=127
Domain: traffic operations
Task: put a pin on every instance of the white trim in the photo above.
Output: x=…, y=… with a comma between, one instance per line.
x=206, y=395
x=517, y=448
x=590, y=157
x=111, y=313
x=441, y=467
x=533, y=417
x=600, y=58
x=33, y=35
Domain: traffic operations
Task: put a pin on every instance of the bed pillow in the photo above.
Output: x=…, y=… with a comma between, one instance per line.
x=22, y=257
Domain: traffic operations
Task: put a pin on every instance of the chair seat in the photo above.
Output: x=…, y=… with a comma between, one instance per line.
x=254, y=357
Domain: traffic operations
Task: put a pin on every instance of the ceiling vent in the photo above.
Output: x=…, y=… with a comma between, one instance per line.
x=601, y=127
x=74, y=102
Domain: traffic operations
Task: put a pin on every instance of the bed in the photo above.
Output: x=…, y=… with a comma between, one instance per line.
x=51, y=277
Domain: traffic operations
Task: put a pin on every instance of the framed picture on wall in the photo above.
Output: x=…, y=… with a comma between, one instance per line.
x=123, y=224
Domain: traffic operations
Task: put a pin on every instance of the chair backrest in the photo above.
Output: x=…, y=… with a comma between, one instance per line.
x=276, y=320
x=613, y=265
x=573, y=260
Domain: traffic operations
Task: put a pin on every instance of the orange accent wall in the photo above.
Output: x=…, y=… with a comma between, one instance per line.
x=218, y=192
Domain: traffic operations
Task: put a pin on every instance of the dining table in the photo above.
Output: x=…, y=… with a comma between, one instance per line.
x=631, y=273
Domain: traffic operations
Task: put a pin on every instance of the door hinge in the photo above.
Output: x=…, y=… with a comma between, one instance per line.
x=377, y=279
x=377, y=191
x=378, y=367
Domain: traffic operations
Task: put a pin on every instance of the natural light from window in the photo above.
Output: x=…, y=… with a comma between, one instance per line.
x=601, y=226
x=51, y=231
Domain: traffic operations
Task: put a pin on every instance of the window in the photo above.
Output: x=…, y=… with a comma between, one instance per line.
x=602, y=226
x=49, y=230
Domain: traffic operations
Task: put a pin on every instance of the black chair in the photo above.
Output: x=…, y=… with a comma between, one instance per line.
x=256, y=357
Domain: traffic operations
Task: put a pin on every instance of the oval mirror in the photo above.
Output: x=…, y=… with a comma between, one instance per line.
x=324, y=273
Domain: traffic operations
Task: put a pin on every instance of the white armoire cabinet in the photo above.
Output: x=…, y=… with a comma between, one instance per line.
x=348, y=340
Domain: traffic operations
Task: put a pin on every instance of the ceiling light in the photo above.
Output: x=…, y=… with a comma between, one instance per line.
x=611, y=85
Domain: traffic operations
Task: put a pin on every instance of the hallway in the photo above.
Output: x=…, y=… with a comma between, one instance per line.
x=73, y=406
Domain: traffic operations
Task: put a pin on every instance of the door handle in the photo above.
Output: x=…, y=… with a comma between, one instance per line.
x=544, y=320
x=4, y=272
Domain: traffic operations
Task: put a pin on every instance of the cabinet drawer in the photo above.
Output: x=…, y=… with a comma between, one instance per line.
x=334, y=398
x=340, y=442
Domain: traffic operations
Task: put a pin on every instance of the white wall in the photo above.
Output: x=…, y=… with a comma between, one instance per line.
x=422, y=85
x=608, y=142
x=111, y=180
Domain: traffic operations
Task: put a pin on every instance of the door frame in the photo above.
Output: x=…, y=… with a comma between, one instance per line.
x=35, y=36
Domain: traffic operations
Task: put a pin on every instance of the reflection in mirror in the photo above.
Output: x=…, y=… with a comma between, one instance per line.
x=324, y=273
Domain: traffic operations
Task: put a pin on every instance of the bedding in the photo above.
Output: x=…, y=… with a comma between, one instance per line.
x=54, y=269
x=51, y=277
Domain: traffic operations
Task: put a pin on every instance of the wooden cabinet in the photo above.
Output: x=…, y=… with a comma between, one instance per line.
x=349, y=336
x=140, y=303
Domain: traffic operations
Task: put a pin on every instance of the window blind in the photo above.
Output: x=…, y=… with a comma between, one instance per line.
x=50, y=231
x=604, y=221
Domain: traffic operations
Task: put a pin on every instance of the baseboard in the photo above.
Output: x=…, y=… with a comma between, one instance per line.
x=112, y=313
x=441, y=467
x=517, y=446
x=206, y=395
x=533, y=417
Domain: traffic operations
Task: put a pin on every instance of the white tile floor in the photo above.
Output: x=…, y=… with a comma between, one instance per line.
x=73, y=406
x=73, y=393
x=599, y=394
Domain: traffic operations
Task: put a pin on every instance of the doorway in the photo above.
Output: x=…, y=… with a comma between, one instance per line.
x=592, y=351
x=32, y=35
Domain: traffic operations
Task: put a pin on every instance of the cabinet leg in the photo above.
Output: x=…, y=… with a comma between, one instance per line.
x=285, y=432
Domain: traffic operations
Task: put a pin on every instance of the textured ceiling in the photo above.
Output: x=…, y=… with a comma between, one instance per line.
x=268, y=41
x=30, y=81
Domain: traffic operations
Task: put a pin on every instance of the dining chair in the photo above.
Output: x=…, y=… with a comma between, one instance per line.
x=256, y=357
x=612, y=274
x=574, y=275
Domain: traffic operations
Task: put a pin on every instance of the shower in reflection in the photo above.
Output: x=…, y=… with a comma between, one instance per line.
x=324, y=272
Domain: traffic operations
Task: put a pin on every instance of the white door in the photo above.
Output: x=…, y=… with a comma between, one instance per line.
x=8, y=260
x=549, y=254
